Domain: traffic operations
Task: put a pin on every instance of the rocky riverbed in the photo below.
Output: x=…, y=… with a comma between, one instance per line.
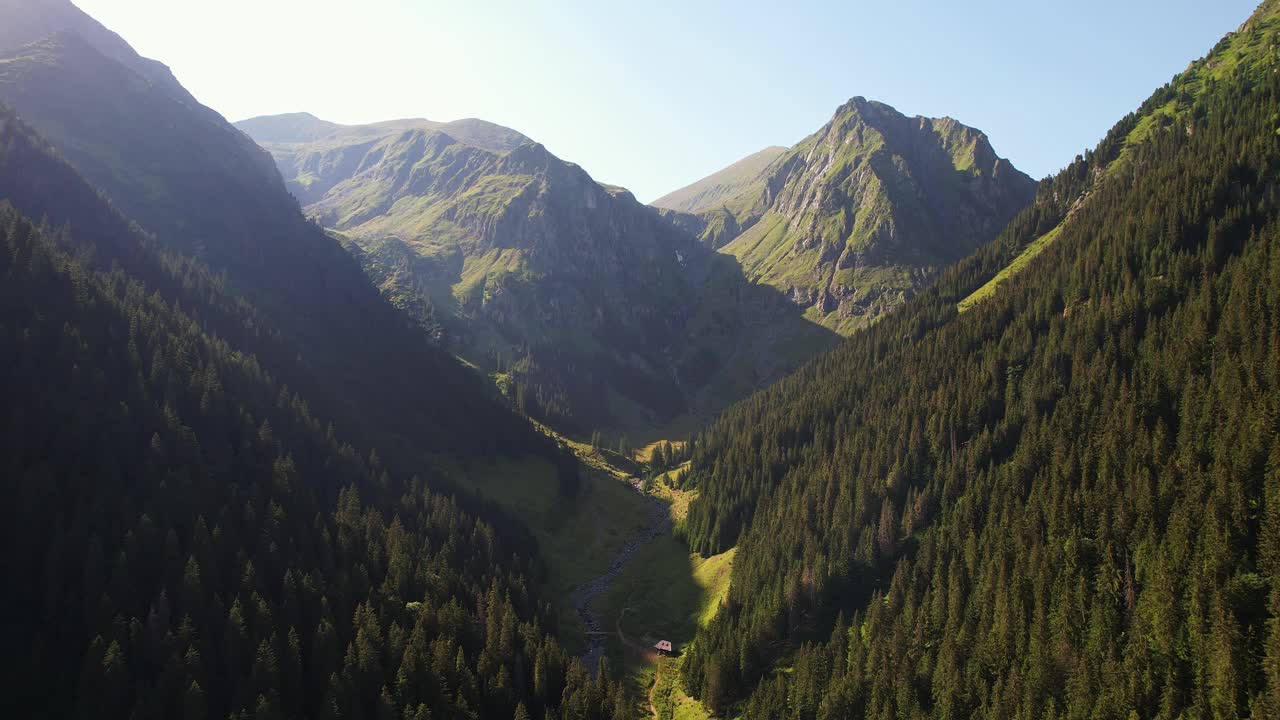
x=657, y=522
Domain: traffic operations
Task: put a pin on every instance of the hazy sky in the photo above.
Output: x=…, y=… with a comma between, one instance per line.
x=654, y=95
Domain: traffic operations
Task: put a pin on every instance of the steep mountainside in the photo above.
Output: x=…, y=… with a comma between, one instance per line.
x=589, y=307
x=92, y=106
x=1062, y=502
x=26, y=21
x=194, y=540
x=723, y=186
x=858, y=216
x=208, y=191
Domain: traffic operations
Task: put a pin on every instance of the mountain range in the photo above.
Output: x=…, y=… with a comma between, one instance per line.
x=595, y=311
x=590, y=309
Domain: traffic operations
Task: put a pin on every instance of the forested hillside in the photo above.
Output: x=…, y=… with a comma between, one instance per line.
x=222, y=444
x=187, y=538
x=1063, y=502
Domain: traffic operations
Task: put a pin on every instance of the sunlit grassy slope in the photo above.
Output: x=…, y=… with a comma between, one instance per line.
x=724, y=186
x=667, y=592
x=669, y=699
x=1036, y=247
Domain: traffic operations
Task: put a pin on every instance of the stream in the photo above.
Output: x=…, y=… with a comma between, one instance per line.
x=585, y=596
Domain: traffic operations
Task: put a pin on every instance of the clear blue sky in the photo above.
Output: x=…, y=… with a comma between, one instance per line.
x=654, y=95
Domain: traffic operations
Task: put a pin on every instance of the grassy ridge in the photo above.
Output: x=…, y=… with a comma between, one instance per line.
x=1023, y=259
x=724, y=186
x=1252, y=45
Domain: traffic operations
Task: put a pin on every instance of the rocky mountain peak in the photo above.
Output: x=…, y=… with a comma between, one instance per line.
x=854, y=218
x=531, y=156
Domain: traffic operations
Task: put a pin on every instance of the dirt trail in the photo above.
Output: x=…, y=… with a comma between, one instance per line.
x=657, y=523
x=653, y=708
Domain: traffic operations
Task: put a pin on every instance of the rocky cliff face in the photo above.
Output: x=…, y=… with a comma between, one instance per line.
x=874, y=185
x=523, y=238
x=852, y=220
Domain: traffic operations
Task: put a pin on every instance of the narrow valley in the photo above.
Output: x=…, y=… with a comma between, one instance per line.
x=342, y=412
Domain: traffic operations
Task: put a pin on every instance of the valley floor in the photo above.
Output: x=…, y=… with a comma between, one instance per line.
x=623, y=579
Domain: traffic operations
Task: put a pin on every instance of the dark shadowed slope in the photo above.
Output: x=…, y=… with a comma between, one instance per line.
x=187, y=538
x=206, y=190
x=26, y=21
